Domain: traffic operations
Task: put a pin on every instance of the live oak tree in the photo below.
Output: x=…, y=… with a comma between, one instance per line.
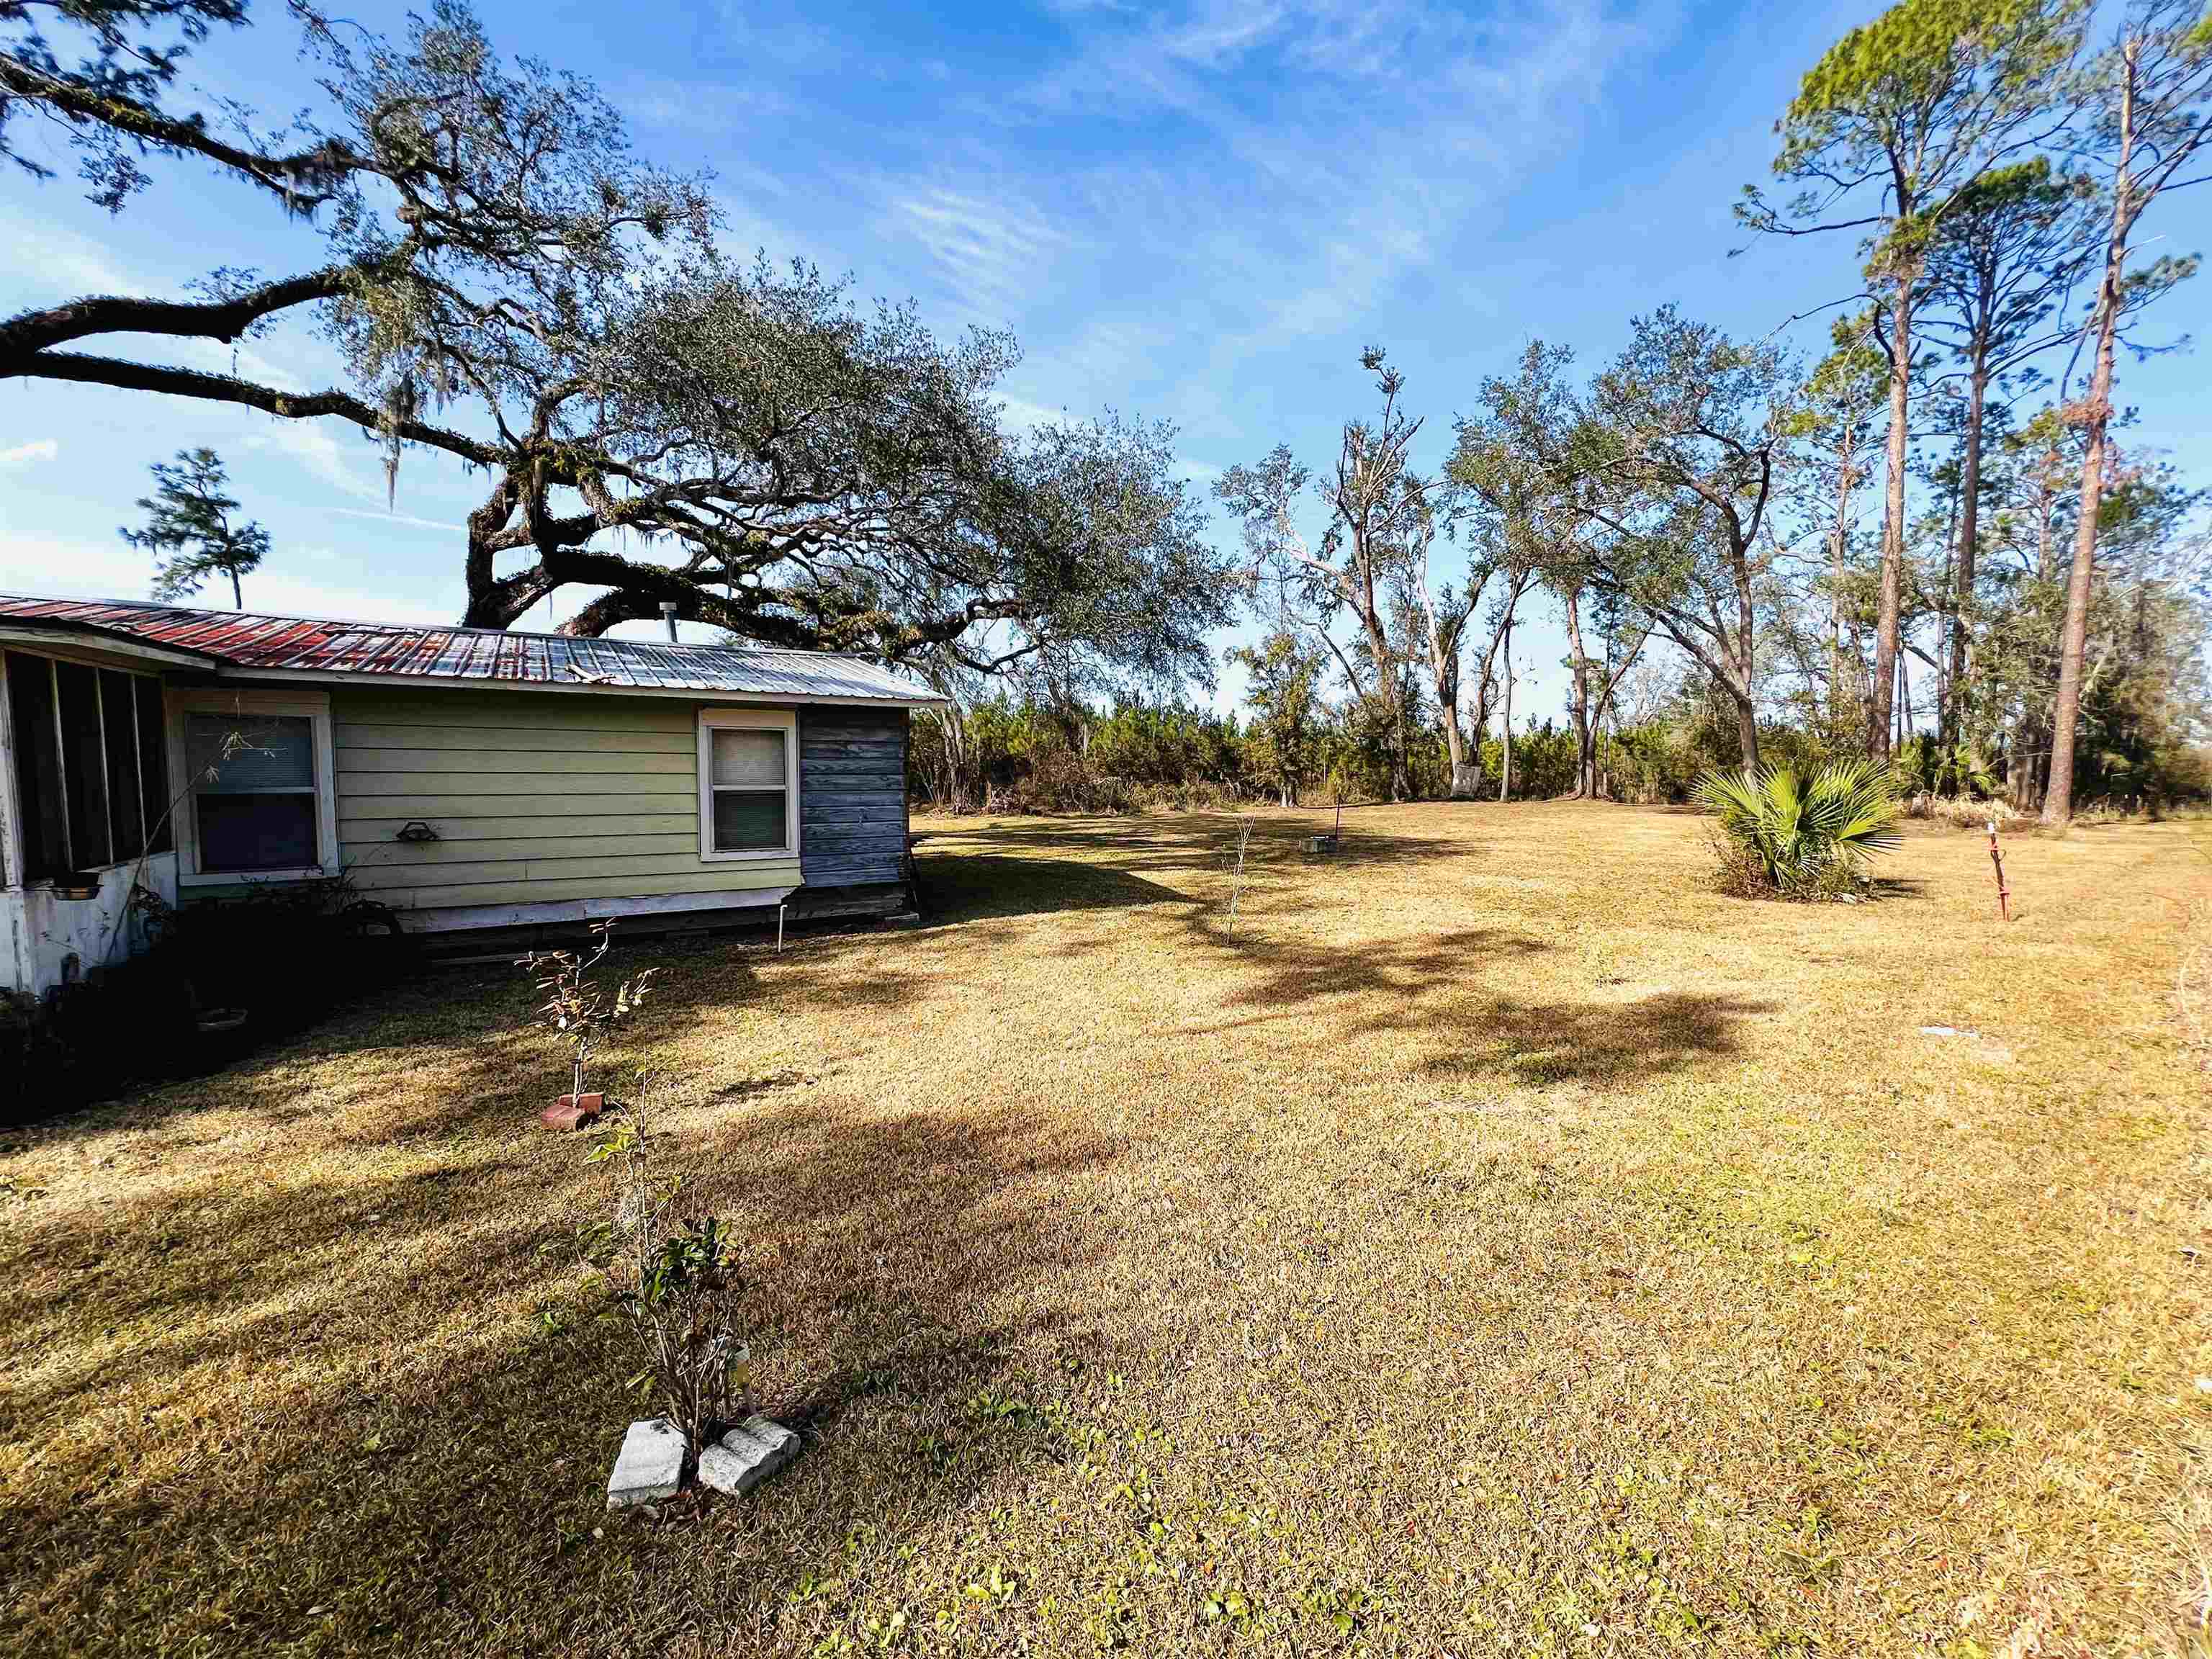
x=1893, y=121
x=510, y=288
x=474, y=222
x=2154, y=135
x=1514, y=506
x=1673, y=456
x=188, y=531
x=843, y=477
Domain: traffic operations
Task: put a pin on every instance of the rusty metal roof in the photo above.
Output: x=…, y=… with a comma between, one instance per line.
x=264, y=645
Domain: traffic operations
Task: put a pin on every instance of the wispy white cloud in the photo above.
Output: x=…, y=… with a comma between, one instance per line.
x=987, y=243
x=47, y=263
x=375, y=517
x=39, y=449
x=1274, y=170
x=313, y=446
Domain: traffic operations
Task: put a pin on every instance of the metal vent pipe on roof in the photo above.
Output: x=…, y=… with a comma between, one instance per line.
x=668, y=616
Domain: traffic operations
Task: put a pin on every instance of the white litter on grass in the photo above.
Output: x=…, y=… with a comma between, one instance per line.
x=1994, y=1053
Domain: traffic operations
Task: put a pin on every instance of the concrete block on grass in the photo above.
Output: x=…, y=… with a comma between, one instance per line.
x=780, y=1441
x=746, y=1455
x=649, y=1467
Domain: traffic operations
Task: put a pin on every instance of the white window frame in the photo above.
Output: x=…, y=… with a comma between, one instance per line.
x=216, y=700
x=785, y=720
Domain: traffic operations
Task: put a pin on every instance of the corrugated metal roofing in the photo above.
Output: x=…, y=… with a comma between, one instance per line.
x=478, y=656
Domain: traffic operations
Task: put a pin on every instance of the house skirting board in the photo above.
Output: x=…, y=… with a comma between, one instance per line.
x=472, y=917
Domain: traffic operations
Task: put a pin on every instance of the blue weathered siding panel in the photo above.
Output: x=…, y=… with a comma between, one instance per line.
x=852, y=795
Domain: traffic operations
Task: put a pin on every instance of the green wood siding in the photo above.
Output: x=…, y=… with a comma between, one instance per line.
x=534, y=799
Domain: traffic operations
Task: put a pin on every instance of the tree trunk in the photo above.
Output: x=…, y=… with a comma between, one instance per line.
x=237, y=595
x=1386, y=685
x=1578, y=704
x=2073, y=639
x=1955, y=734
x=1838, y=545
x=1505, y=724
x=1746, y=728
x=1893, y=524
x=1466, y=775
x=1402, y=786
x=1466, y=781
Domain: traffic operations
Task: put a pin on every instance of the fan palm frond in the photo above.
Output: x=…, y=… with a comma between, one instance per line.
x=1806, y=838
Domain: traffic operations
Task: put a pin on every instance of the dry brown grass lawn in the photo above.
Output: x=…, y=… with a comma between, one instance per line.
x=1500, y=1244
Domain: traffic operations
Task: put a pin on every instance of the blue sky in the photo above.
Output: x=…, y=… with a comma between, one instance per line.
x=1200, y=213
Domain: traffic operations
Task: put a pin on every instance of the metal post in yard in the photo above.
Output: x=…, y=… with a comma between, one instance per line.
x=1996, y=857
x=779, y=930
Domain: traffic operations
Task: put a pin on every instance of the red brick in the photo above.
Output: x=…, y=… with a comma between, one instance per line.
x=572, y=1112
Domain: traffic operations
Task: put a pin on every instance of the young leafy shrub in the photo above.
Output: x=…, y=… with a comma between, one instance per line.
x=577, y=1008
x=671, y=1276
x=1781, y=835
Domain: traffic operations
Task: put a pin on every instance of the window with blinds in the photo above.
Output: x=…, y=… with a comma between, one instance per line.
x=253, y=790
x=749, y=770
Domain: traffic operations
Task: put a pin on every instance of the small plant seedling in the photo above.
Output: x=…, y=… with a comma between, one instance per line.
x=1234, y=867
x=576, y=1006
x=672, y=1274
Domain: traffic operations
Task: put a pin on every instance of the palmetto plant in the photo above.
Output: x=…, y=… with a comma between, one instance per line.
x=1805, y=840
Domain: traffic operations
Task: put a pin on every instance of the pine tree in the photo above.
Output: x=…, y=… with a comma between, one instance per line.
x=189, y=530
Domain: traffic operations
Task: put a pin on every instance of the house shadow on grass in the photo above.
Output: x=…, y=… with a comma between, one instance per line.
x=382, y=1417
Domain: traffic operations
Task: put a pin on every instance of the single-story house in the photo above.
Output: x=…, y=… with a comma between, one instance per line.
x=468, y=778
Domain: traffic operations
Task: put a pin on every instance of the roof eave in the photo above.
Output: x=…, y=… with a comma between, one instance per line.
x=455, y=683
x=59, y=630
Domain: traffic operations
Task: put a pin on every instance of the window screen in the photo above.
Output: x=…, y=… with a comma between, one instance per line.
x=154, y=767
x=84, y=765
x=37, y=766
x=88, y=763
x=750, y=783
x=126, y=805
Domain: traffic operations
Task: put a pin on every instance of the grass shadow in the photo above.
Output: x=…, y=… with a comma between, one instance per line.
x=388, y=1407
x=1544, y=1043
x=968, y=887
